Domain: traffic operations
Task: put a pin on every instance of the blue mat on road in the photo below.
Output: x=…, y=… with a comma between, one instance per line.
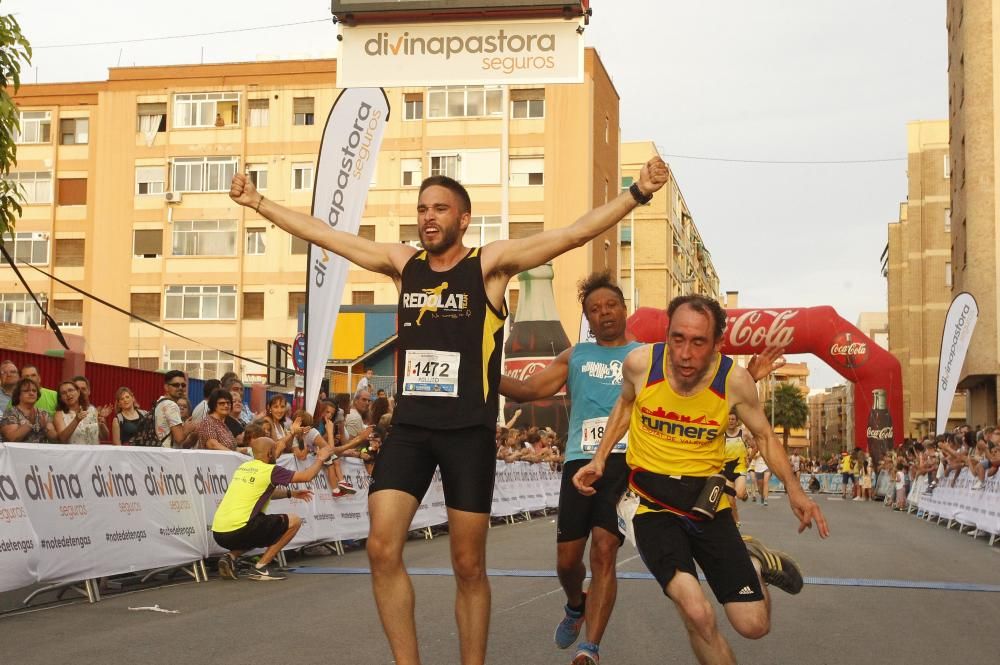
x=819, y=581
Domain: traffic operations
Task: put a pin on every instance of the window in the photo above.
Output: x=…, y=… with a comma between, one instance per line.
x=145, y=305
x=412, y=171
x=72, y=192
x=206, y=109
x=204, y=174
x=367, y=231
x=947, y=219
x=527, y=103
x=205, y=364
x=147, y=244
x=362, y=297
x=607, y=129
x=464, y=101
x=70, y=252
x=256, y=242
x=27, y=247
x=36, y=127
x=67, y=312
x=525, y=229
x=37, y=185
x=527, y=171
x=74, y=131
x=483, y=229
x=303, y=110
x=478, y=167
x=299, y=246
x=302, y=176
x=201, y=302
x=150, y=180
x=947, y=164
x=148, y=364
x=20, y=308
x=947, y=274
x=253, y=306
x=513, y=296
x=259, y=112
x=409, y=234
x=296, y=299
x=151, y=118
x=446, y=165
x=205, y=238
x=413, y=106
x=626, y=183
x=258, y=175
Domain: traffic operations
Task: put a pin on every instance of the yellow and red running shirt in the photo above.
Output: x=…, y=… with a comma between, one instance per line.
x=679, y=435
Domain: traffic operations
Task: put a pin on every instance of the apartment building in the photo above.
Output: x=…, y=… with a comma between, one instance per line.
x=127, y=196
x=831, y=421
x=918, y=266
x=663, y=255
x=973, y=124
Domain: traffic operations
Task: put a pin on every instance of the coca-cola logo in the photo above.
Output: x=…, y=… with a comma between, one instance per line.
x=758, y=328
x=847, y=351
x=880, y=434
x=521, y=369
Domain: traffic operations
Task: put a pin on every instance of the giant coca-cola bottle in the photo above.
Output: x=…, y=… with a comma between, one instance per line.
x=536, y=337
x=879, y=426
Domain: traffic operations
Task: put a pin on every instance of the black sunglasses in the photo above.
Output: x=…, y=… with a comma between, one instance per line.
x=177, y=385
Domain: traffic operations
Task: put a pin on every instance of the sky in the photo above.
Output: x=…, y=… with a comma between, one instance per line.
x=762, y=81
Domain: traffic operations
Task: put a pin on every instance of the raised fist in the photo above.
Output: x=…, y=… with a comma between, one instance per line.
x=243, y=191
x=653, y=176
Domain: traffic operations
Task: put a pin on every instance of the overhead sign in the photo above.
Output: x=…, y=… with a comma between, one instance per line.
x=428, y=54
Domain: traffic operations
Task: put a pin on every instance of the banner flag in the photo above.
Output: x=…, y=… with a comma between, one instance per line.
x=347, y=158
x=958, y=327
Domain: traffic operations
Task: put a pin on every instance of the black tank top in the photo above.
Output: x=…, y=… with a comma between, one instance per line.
x=450, y=341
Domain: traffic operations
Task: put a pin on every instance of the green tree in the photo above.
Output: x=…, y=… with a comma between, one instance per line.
x=14, y=51
x=789, y=408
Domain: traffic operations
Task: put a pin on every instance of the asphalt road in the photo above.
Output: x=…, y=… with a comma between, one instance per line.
x=329, y=617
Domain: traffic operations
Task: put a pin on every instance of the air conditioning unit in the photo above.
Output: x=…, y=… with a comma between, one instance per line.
x=172, y=197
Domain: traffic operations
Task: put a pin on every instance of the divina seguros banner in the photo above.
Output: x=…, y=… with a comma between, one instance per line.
x=958, y=327
x=457, y=53
x=347, y=158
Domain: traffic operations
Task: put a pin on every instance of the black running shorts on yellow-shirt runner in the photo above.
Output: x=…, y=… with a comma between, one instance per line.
x=668, y=543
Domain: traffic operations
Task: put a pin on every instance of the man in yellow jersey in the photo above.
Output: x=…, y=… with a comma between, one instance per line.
x=674, y=403
x=448, y=375
x=240, y=523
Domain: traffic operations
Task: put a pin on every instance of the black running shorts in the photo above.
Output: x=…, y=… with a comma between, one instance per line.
x=261, y=531
x=466, y=457
x=667, y=544
x=578, y=514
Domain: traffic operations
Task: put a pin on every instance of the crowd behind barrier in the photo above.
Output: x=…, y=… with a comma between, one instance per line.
x=73, y=513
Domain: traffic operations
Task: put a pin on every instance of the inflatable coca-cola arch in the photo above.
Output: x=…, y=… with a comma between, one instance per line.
x=823, y=333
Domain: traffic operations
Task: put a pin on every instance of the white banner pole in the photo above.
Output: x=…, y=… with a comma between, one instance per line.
x=347, y=157
x=958, y=327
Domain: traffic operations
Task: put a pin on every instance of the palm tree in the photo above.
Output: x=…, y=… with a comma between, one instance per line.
x=790, y=409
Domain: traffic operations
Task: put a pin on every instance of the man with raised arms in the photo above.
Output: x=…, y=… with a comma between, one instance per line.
x=448, y=374
x=674, y=404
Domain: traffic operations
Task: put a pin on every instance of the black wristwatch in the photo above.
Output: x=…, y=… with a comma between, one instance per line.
x=640, y=198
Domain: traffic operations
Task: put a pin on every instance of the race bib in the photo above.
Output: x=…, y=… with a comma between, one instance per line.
x=431, y=373
x=593, y=431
